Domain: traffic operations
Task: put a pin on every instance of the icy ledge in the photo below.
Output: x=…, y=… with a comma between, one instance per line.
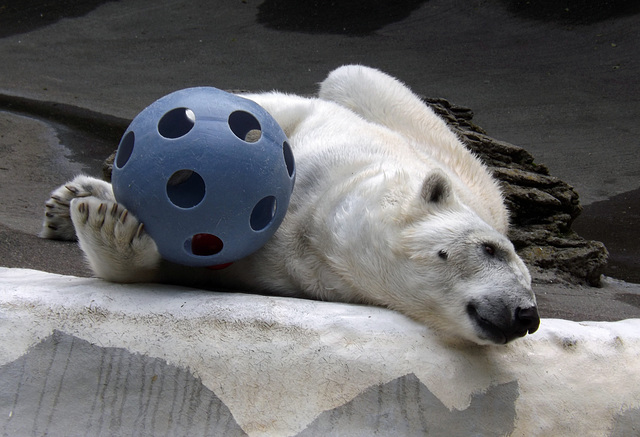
x=82, y=356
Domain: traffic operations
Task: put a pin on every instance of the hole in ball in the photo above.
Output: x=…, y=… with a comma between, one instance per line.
x=186, y=188
x=176, y=123
x=245, y=126
x=263, y=213
x=125, y=149
x=288, y=158
x=204, y=245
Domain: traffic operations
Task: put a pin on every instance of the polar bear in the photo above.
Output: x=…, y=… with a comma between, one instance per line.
x=389, y=209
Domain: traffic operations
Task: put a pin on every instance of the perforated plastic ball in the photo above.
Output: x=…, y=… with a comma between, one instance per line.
x=209, y=174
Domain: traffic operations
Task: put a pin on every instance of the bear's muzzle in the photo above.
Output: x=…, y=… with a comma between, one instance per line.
x=503, y=325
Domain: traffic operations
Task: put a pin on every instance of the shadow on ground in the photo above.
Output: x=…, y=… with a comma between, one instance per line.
x=615, y=222
x=21, y=16
x=572, y=11
x=348, y=17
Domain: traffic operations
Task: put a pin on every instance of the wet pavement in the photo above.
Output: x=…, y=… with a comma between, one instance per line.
x=564, y=85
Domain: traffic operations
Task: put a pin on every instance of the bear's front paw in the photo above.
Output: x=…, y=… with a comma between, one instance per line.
x=114, y=241
x=57, y=224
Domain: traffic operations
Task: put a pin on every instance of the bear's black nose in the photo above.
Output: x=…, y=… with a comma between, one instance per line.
x=527, y=320
x=502, y=324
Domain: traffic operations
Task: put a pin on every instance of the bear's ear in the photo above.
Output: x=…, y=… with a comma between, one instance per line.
x=436, y=188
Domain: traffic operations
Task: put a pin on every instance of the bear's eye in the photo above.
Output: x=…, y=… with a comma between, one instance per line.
x=443, y=255
x=489, y=249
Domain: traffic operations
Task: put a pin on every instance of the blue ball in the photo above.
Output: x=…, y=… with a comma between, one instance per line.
x=209, y=173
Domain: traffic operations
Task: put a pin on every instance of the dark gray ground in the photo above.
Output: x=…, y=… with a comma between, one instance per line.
x=559, y=78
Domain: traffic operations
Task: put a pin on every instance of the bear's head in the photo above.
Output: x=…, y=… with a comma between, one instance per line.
x=434, y=259
x=462, y=276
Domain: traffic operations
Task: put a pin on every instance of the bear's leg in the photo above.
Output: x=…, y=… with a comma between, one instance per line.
x=386, y=101
x=114, y=241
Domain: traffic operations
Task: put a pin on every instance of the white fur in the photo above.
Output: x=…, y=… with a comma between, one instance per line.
x=384, y=189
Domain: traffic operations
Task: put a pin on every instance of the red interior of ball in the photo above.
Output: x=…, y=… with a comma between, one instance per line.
x=206, y=244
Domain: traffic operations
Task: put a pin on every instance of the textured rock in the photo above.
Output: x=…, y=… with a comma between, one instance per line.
x=542, y=206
